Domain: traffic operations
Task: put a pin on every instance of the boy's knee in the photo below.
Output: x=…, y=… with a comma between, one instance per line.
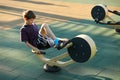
x=44, y=25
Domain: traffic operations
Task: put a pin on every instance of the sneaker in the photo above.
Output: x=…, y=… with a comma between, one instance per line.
x=61, y=44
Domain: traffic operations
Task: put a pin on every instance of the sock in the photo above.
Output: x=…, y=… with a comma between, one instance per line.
x=56, y=41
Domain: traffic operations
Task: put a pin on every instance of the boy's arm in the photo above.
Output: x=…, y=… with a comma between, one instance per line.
x=33, y=48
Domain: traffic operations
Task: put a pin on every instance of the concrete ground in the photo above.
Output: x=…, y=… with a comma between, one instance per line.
x=67, y=18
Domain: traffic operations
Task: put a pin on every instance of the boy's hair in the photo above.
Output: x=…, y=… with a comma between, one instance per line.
x=28, y=14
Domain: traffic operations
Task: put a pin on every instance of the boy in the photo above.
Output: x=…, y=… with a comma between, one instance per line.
x=38, y=39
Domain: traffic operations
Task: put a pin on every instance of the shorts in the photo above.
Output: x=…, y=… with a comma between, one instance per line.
x=44, y=42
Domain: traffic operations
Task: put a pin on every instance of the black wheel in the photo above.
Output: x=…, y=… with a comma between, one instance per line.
x=117, y=30
x=80, y=51
x=83, y=48
x=98, y=13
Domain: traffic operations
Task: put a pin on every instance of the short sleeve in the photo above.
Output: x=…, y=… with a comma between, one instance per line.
x=23, y=34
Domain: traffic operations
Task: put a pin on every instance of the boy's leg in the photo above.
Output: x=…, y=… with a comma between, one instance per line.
x=45, y=30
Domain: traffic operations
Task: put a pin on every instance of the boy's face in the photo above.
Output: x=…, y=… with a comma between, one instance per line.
x=29, y=21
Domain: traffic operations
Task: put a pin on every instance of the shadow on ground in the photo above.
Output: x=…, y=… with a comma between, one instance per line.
x=18, y=63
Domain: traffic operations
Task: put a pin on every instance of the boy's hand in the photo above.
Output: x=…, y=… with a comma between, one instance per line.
x=34, y=49
x=37, y=51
